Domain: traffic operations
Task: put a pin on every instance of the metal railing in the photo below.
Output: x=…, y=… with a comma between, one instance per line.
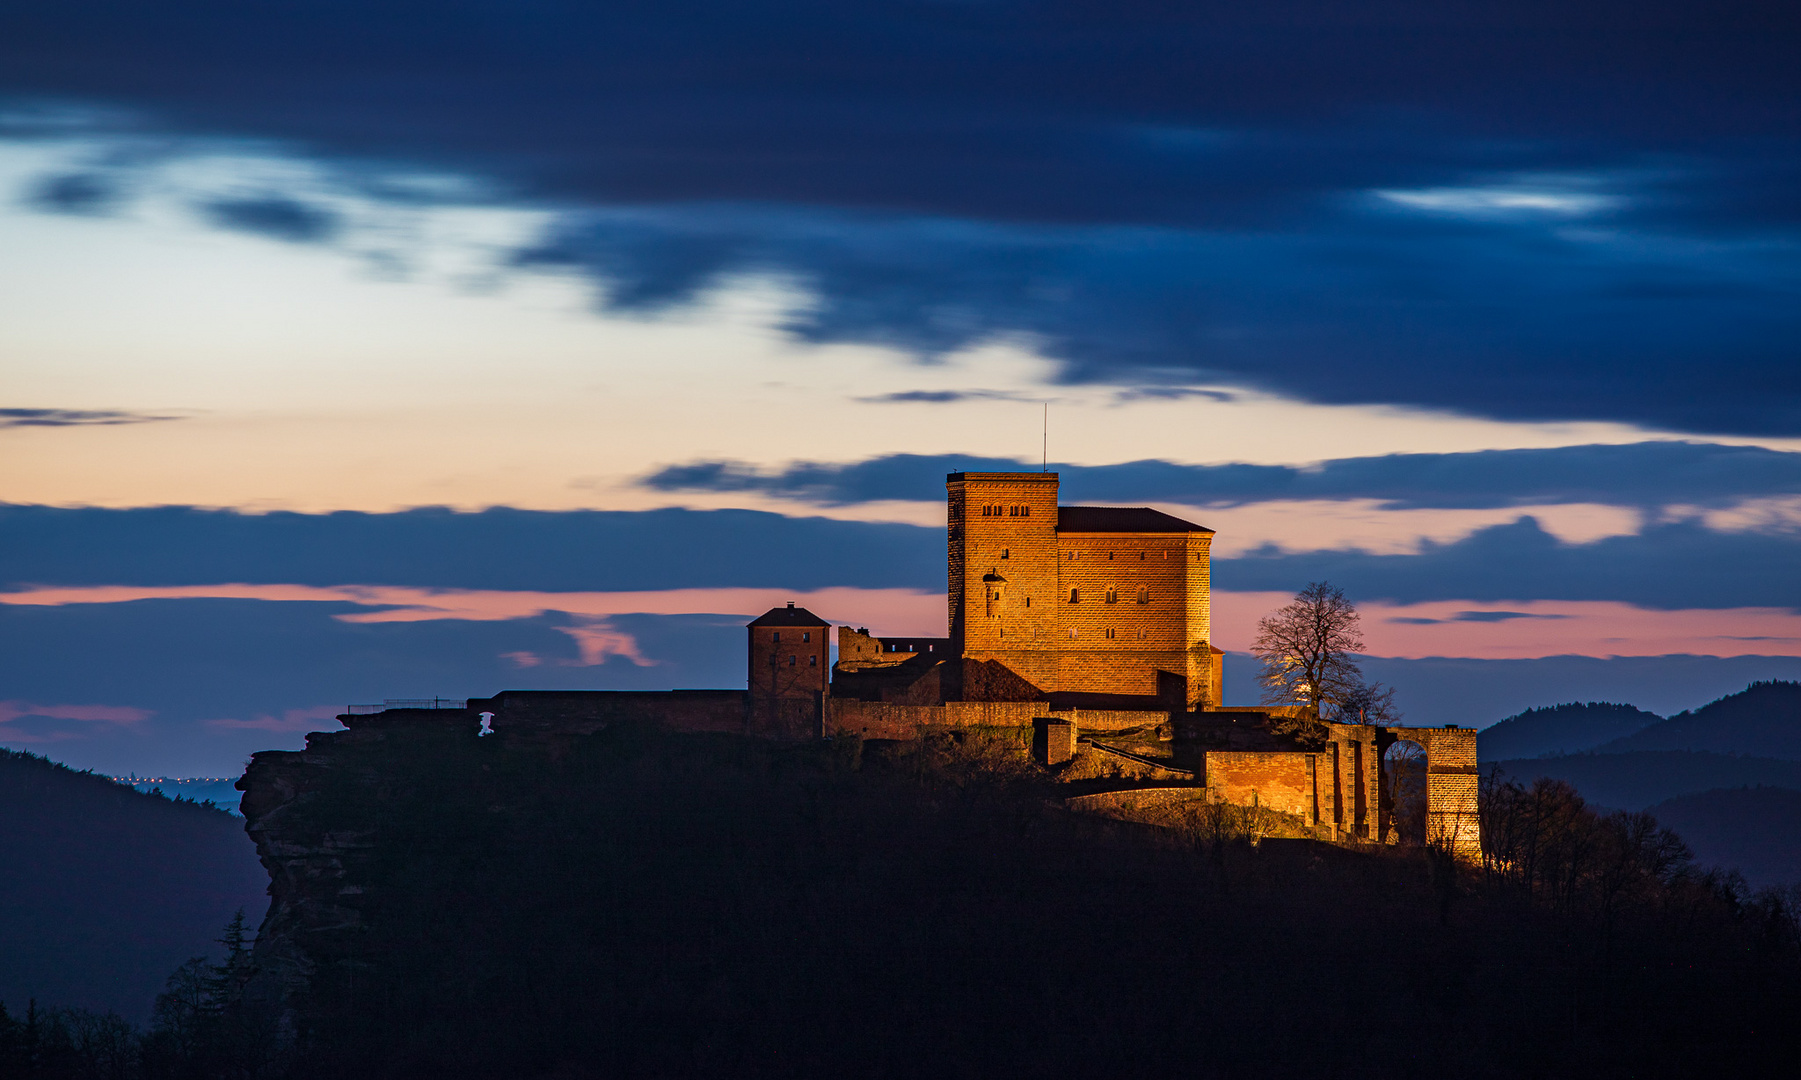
x=409, y=703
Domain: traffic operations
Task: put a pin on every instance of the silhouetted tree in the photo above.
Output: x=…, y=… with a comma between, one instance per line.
x=1306, y=649
x=1364, y=703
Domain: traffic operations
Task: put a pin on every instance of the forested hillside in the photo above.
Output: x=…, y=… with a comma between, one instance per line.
x=105, y=890
x=1561, y=729
x=1763, y=720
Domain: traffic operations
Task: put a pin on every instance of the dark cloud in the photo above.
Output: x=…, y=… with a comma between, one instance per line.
x=1515, y=208
x=492, y=549
x=74, y=417
x=76, y=193
x=1647, y=474
x=1682, y=565
x=940, y=397
x=1474, y=616
x=276, y=217
x=1678, y=565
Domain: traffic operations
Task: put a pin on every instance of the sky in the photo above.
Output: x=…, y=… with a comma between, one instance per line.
x=380, y=350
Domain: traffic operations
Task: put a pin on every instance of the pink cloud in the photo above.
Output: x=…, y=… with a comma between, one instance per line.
x=1518, y=630
x=522, y=659
x=291, y=720
x=599, y=639
x=895, y=611
x=1475, y=629
x=99, y=714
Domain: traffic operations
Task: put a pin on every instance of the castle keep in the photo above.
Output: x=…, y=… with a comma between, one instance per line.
x=1074, y=621
x=1100, y=601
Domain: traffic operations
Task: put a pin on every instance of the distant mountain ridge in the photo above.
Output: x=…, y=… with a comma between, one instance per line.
x=1561, y=729
x=1764, y=720
x=105, y=890
x=1640, y=779
x=1722, y=827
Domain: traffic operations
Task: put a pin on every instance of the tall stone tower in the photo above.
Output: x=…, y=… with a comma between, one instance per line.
x=1108, y=605
x=789, y=672
x=1003, y=571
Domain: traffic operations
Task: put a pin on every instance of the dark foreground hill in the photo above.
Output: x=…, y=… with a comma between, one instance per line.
x=1751, y=829
x=1762, y=720
x=104, y=890
x=640, y=904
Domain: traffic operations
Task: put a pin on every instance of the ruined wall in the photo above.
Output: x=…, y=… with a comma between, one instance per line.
x=1281, y=780
x=1452, y=779
x=1355, y=800
x=583, y=712
x=886, y=720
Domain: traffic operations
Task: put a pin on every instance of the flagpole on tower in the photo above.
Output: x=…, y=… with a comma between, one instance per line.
x=1044, y=463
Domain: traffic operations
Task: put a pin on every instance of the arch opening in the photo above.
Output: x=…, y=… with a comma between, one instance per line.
x=1404, y=783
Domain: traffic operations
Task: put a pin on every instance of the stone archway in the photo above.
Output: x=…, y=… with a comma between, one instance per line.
x=1404, y=788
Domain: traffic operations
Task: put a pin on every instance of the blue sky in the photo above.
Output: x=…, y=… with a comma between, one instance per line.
x=1486, y=311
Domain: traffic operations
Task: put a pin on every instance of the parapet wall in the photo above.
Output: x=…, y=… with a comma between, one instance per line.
x=583, y=712
x=885, y=720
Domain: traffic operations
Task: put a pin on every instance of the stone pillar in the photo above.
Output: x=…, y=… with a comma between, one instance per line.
x=1053, y=740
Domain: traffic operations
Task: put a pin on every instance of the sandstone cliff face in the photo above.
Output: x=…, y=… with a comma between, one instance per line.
x=308, y=812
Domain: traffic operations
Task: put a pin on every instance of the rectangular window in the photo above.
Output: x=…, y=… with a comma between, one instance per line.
x=812, y=661
x=777, y=637
x=791, y=661
x=1073, y=633
x=1109, y=634
x=806, y=635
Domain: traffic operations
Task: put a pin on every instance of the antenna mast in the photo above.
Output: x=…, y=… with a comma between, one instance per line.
x=1044, y=464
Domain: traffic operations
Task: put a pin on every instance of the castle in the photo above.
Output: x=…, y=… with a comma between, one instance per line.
x=1074, y=621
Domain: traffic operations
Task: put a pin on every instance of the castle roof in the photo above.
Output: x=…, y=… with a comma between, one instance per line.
x=788, y=616
x=1122, y=519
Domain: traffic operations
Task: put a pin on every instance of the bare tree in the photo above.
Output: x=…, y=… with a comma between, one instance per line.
x=1365, y=703
x=1306, y=649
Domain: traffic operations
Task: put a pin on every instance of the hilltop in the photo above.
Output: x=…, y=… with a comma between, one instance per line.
x=106, y=889
x=1561, y=729
x=1762, y=720
x=638, y=902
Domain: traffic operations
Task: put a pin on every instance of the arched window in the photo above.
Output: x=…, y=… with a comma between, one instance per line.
x=1144, y=596
x=1075, y=596
x=1112, y=595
